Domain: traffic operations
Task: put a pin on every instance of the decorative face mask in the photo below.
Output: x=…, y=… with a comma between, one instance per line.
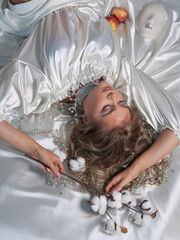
x=151, y=20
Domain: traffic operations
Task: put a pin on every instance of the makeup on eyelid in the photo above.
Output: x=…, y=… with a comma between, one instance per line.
x=107, y=109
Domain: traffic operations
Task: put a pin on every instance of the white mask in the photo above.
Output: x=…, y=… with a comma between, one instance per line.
x=151, y=20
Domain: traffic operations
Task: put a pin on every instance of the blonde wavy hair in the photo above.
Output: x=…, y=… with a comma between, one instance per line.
x=108, y=153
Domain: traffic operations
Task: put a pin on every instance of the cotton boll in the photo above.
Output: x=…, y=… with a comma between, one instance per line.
x=146, y=205
x=103, y=200
x=147, y=219
x=77, y=165
x=118, y=230
x=133, y=202
x=62, y=156
x=110, y=225
x=114, y=204
x=74, y=165
x=99, y=204
x=126, y=192
x=81, y=161
x=111, y=204
x=102, y=204
x=141, y=219
x=118, y=205
x=127, y=198
x=112, y=228
x=95, y=203
x=116, y=200
x=95, y=200
x=102, y=210
x=116, y=196
x=136, y=218
x=95, y=208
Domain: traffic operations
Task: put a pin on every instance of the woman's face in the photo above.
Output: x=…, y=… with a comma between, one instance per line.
x=105, y=106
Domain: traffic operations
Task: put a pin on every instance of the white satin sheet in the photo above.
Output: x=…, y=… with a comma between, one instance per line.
x=68, y=46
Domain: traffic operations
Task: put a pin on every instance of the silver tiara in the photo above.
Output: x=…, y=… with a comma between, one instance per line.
x=83, y=93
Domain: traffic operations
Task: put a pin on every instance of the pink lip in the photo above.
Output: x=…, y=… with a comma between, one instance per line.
x=107, y=89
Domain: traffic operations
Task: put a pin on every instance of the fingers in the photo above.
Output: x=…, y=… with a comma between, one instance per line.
x=59, y=165
x=118, y=187
x=49, y=170
x=117, y=183
x=113, y=183
x=46, y=169
x=55, y=169
x=52, y=169
x=43, y=168
x=51, y=162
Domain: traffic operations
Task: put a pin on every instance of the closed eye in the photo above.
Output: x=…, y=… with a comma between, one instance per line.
x=107, y=109
x=122, y=103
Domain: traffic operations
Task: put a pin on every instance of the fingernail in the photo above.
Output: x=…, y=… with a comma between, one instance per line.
x=58, y=175
x=42, y=167
x=49, y=170
x=114, y=190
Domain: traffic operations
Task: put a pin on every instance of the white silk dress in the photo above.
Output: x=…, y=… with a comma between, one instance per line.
x=47, y=49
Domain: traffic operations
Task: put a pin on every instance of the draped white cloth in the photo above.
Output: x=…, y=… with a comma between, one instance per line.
x=71, y=46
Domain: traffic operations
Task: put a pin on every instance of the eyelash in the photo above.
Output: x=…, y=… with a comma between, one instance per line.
x=104, y=108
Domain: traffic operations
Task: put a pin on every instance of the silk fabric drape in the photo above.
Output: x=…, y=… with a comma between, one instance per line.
x=31, y=209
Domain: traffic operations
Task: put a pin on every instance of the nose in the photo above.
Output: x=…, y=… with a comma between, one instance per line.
x=112, y=96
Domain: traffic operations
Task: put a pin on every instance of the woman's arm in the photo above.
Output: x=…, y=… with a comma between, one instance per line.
x=14, y=2
x=164, y=144
x=19, y=140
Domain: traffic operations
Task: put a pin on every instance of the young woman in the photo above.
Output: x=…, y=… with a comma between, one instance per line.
x=114, y=137
x=52, y=64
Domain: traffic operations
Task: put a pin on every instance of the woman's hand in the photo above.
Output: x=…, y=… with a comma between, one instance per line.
x=163, y=145
x=11, y=135
x=122, y=179
x=51, y=162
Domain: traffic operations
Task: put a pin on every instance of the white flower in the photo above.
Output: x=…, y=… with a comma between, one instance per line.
x=99, y=204
x=77, y=165
x=62, y=155
x=112, y=228
x=128, y=198
x=116, y=200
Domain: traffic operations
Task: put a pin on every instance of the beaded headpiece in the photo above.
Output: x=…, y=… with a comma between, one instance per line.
x=83, y=93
